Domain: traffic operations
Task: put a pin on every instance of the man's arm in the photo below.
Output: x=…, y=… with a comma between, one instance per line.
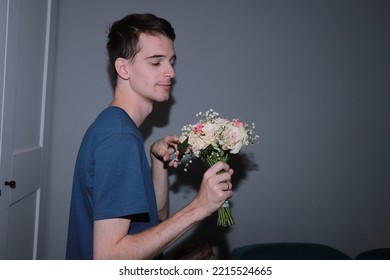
x=160, y=153
x=111, y=238
x=160, y=182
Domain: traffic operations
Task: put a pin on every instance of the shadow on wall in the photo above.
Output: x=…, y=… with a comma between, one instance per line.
x=241, y=163
x=158, y=118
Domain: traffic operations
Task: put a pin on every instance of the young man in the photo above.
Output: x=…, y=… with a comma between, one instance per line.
x=119, y=207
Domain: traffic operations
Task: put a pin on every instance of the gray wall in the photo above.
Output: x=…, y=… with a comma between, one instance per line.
x=313, y=76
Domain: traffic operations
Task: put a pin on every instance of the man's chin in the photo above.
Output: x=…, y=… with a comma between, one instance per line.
x=163, y=99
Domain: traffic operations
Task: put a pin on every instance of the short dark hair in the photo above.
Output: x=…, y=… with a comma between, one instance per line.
x=124, y=34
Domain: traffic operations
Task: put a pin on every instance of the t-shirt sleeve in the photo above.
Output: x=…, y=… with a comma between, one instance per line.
x=118, y=187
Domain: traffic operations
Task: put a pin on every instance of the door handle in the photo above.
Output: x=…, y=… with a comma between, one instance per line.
x=11, y=184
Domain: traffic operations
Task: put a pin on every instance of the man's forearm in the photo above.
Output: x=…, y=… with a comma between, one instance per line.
x=147, y=244
x=160, y=181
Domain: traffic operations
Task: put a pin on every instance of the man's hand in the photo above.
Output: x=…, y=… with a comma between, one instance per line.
x=216, y=187
x=163, y=149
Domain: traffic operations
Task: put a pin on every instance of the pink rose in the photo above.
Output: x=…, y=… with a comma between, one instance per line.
x=238, y=123
x=198, y=128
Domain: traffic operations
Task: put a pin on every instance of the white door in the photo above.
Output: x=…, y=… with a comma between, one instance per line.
x=24, y=37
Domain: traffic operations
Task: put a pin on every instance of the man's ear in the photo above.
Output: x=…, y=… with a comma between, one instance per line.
x=121, y=67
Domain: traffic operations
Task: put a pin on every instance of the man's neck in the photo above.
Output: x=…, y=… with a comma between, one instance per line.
x=137, y=109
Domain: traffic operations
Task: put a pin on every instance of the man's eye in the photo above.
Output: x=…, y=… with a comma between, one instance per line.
x=155, y=62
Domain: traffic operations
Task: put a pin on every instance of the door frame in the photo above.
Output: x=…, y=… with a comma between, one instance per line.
x=51, y=28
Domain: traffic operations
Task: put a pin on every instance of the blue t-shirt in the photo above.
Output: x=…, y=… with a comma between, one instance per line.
x=112, y=179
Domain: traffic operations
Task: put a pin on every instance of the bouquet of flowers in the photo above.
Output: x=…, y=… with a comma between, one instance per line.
x=215, y=139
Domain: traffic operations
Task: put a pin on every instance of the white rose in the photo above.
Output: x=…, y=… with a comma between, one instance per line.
x=210, y=132
x=196, y=143
x=233, y=138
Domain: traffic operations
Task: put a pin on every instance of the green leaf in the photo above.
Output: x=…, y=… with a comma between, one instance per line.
x=182, y=147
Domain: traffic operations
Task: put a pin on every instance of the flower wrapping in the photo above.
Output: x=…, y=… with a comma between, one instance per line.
x=214, y=139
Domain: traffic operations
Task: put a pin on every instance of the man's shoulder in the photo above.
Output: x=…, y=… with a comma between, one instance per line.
x=111, y=121
x=114, y=119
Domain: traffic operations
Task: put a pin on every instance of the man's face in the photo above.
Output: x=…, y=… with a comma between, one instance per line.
x=151, y=71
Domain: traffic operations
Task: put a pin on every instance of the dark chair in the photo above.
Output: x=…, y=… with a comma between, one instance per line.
x=375, y=254
x=288, y=251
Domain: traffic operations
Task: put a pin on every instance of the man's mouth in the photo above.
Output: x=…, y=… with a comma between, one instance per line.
x=166, y=85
